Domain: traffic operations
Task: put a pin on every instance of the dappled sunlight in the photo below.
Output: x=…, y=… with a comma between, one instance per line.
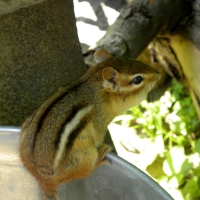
x=91, y=36
x=159, y=138
x=88, y=24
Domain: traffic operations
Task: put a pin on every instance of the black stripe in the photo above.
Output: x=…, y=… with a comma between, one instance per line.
x=59, y=98
x=48, y=109
x=73, y=135
x=68, y=119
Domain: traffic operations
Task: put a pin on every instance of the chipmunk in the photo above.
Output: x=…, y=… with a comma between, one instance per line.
x=63, y=140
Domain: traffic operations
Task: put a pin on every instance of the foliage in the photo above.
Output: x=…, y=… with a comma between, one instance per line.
x=173, y=127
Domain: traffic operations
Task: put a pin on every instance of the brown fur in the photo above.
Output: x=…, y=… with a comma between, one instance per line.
x=63, y=139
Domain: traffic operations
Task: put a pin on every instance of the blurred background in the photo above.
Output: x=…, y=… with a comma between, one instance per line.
x=161, y=137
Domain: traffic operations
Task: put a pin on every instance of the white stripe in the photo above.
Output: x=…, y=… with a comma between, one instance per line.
x=68, y=128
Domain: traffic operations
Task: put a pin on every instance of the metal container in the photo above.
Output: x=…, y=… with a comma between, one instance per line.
x=118, y=181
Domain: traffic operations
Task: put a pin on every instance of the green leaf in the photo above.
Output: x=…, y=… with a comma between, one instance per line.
x=155, y=169
x=196, y=171
x=197, y=146
x=191, y=189
x=177, y=106
x=186, y=167
x=174, y=162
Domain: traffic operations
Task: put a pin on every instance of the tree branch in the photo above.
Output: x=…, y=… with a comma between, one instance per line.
x=140, y=22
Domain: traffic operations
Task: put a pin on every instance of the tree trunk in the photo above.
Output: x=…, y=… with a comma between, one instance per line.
x=39, y=53
x=12, y=5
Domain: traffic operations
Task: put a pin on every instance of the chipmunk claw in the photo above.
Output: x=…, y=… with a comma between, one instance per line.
x=103, y=151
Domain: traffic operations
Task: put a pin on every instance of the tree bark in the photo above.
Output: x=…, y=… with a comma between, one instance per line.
x=169, y=28
x=12, y=5
x=39, y=53
x=139, y=23
x=188, y=55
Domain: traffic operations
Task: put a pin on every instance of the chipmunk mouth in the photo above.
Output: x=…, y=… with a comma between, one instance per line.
x=151, y=85
x=158, y=77
x=153, y=81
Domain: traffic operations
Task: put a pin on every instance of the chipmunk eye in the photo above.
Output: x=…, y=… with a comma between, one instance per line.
x=137, y=80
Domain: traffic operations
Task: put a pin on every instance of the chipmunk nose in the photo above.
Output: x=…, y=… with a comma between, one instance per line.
x=155, y=76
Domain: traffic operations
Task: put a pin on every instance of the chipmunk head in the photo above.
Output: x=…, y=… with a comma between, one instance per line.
x=127, y=81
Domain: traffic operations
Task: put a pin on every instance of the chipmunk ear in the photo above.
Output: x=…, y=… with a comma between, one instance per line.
x=110, y=75
x=101, y=55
